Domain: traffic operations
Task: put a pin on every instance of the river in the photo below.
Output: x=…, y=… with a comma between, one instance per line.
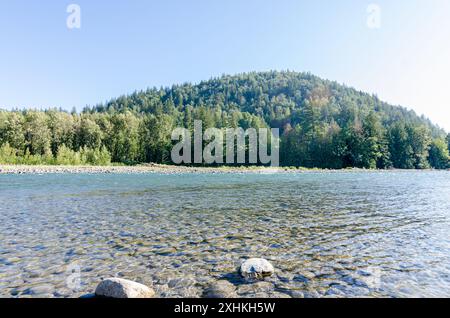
x=336, y=234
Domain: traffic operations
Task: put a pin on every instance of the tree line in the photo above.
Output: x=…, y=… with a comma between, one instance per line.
x=322, y=124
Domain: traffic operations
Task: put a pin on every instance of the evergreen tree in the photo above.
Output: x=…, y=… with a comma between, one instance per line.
x=419, y=139
x=371, y=143
x=399, y=148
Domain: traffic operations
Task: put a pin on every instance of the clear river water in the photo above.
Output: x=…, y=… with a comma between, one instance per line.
x=336, y=234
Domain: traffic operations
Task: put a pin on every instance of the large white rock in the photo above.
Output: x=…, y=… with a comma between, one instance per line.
x=256, y=268
x=122, y=288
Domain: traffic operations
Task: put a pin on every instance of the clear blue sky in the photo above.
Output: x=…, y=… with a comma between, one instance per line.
x=134, y=44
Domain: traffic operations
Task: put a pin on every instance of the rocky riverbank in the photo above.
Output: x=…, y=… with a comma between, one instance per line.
x=161, y=169
x=148, y=168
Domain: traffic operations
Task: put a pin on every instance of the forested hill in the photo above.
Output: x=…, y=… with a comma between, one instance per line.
x=279, y=98
x=323, y=124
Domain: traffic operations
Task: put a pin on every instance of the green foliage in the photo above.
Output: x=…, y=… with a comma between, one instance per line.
x=439, y=156
x=322, y=125
x=87, y=133
x=86, y=156
x=37, y=133
x=67, y=157
x=95, y=157
x=399, y=147
x=62, y=129
x=8, y=154
x=124, y=139
x=12, y=129
x=419, y=140
x=155, y=138
x=408, y=145
x=448, y=141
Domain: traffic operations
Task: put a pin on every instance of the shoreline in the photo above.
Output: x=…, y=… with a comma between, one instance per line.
x=172, y=169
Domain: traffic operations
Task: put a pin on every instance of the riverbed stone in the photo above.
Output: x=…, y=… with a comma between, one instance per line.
x=259, y=287
x=122, y=288
x=256, y=268
x=181, y=283
x=221, y=289
x=296, y=294
x=40, y=290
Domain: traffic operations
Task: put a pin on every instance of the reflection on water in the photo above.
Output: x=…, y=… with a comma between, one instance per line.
x=327, y=234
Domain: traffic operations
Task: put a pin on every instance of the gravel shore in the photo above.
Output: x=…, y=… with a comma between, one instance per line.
x=149, y=168
x=167, y=169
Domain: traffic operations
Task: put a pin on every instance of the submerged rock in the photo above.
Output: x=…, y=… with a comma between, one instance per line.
x=181, y=283
x=40, y=290
x=221, y=289
x=122, y=288
x=256, y=268
x=259, y=287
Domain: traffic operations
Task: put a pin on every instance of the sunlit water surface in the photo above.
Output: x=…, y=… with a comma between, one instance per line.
x=346, y=234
